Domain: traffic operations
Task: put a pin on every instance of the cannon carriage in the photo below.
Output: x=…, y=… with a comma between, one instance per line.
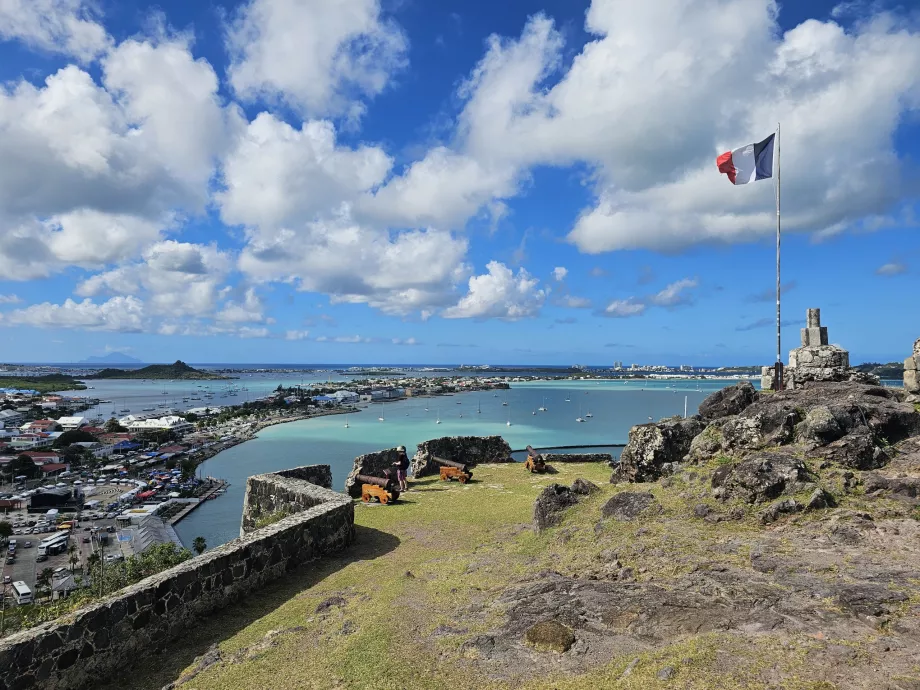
x=384, y=489
x=450, y=469
x=534, y=461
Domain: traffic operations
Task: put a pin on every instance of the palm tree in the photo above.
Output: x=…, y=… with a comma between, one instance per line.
x=199, y=545
x=43, y=580
x=74, y=559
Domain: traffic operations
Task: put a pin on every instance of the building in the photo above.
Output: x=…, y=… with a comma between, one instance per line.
x=41, y=426
x=29, y=441
x=172, y=423
x=345, y=397
x=72, y=423
x=10, y=417
x=52, y=469
x=55, y=497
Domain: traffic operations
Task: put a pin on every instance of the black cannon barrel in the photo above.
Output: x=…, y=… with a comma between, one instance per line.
x=531, y=452
x=377, y=481
x=449, y=463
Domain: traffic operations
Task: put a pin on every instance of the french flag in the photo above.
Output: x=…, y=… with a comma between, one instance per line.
x=749, y=163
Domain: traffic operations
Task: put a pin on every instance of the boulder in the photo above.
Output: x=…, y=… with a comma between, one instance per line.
x=819, y=427
x=628, y=505
x=778, y=509
x=819, y=500
x=550, y=504
x=584, y=487
x=764, y=476
x=728, y=401
x=857, y=451
x=654, y=449
x=470, y=450
x=371, y=464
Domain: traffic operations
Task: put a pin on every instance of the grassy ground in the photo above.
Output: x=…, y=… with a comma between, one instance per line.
x=376, y=618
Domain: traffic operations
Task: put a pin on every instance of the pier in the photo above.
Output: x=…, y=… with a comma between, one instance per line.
x=191, y=506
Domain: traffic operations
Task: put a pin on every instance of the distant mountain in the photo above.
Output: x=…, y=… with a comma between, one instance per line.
x=178, y=370
x=112, y=358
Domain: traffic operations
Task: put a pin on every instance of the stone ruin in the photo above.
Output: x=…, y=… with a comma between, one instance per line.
x=815, y=360
x=912, y=374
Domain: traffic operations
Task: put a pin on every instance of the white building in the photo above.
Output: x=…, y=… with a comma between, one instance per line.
x=167, y=423
x=71, y=423
x=10, y=417
x=345, y=397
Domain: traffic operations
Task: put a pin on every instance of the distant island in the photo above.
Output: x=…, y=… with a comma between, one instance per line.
x=111, y=358
x=892, y=370
x=177, y=370
x=43, y=384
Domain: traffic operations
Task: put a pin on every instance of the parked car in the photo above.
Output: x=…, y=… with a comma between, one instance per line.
x=7, y=579
x=27, y=545
x=10, y=560
x=86, y=540
x=41, y=557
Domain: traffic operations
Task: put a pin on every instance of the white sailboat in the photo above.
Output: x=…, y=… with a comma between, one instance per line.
x=346, y=421
x=438, y=420
x=579, y=418
x=543, y=407
x=508, y=423
x=382, y=417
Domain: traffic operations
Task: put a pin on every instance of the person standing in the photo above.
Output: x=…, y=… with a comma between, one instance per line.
x=402, y=467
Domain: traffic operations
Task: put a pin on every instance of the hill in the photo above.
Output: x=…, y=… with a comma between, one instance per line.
x=892, y=370
x=112, y=358
x=177, y=370
x=49, y=383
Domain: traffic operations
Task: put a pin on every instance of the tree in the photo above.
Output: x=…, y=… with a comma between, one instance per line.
x=74, y=558
x=23, y=465
x=112, y=426
x=199, y=545
x=191, y=417
x=74, y=436
x=43, y=580
x=188, y=468
x=6, y=529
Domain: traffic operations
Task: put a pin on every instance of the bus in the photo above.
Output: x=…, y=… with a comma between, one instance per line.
x=54, y=544
x=22, y=593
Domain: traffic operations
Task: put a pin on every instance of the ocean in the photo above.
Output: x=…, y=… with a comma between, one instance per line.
x=615, y=405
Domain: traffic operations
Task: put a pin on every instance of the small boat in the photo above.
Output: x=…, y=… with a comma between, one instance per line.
x=346, y=421
x=589, y=415
x=543, y=408
x=568, y=399
x=438, y=421
x=478, y=407
x=579, y=419
x=504, y=404
x=534, y=412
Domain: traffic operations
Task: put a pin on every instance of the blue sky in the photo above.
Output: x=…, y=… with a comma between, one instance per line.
x=407, y=182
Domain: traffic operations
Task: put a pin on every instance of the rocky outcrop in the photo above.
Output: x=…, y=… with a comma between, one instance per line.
x=470, y=450
x=371, y=464
x=551, y=504
x=584, y=487
x=629, y=504
x=847, y=423
x=762, y=477
x=653, y=450
x=728, y=401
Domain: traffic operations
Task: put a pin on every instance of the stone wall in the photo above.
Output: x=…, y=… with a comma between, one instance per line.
x=471, y=450
x=550, y=458
x=283, y=493
x=94, y=643
x=371, y=464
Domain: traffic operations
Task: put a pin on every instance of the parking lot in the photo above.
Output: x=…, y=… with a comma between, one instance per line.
x=26, y=567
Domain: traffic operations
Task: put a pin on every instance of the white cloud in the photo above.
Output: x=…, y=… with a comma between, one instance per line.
x=404, y=341
x=276, y=175
x=249, y=310
x=499, y=294
x=560, y=272
x=296, y=335
x=253, y=332
x=122, y=314
x=674, y=294
x=90, y=174
x=574, y=302
x=9, y=299
x=346, y=339
x=176, y=279
x=624, y=308
x=56, y=26
x=649, y=104
x=319, y=57
x=398, y=273
x=891, y=269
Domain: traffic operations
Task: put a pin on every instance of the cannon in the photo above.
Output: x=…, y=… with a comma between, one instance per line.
x=534, y=461
x=451, y=469
x=384, y=489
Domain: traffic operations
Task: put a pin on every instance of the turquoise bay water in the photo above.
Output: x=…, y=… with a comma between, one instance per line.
x=616, y=406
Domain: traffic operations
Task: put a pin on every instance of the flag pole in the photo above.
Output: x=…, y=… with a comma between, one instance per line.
x=778, y=377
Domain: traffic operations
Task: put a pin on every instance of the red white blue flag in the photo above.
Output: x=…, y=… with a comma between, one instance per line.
x=749, y=163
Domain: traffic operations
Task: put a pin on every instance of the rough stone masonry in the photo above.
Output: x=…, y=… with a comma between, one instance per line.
x=912, y=373
x=92, y=644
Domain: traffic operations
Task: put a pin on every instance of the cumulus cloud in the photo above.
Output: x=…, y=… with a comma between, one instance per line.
x=90, y=174
x=296, y=335
x=574, y=302
x=9, y=299
x=891, y=269
x=404, y=341
x=320, y=58
x=624, y=308
x=674, y=294
x=68, y=27
x=560, y=272
x=121, y=314
x=499, y=294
